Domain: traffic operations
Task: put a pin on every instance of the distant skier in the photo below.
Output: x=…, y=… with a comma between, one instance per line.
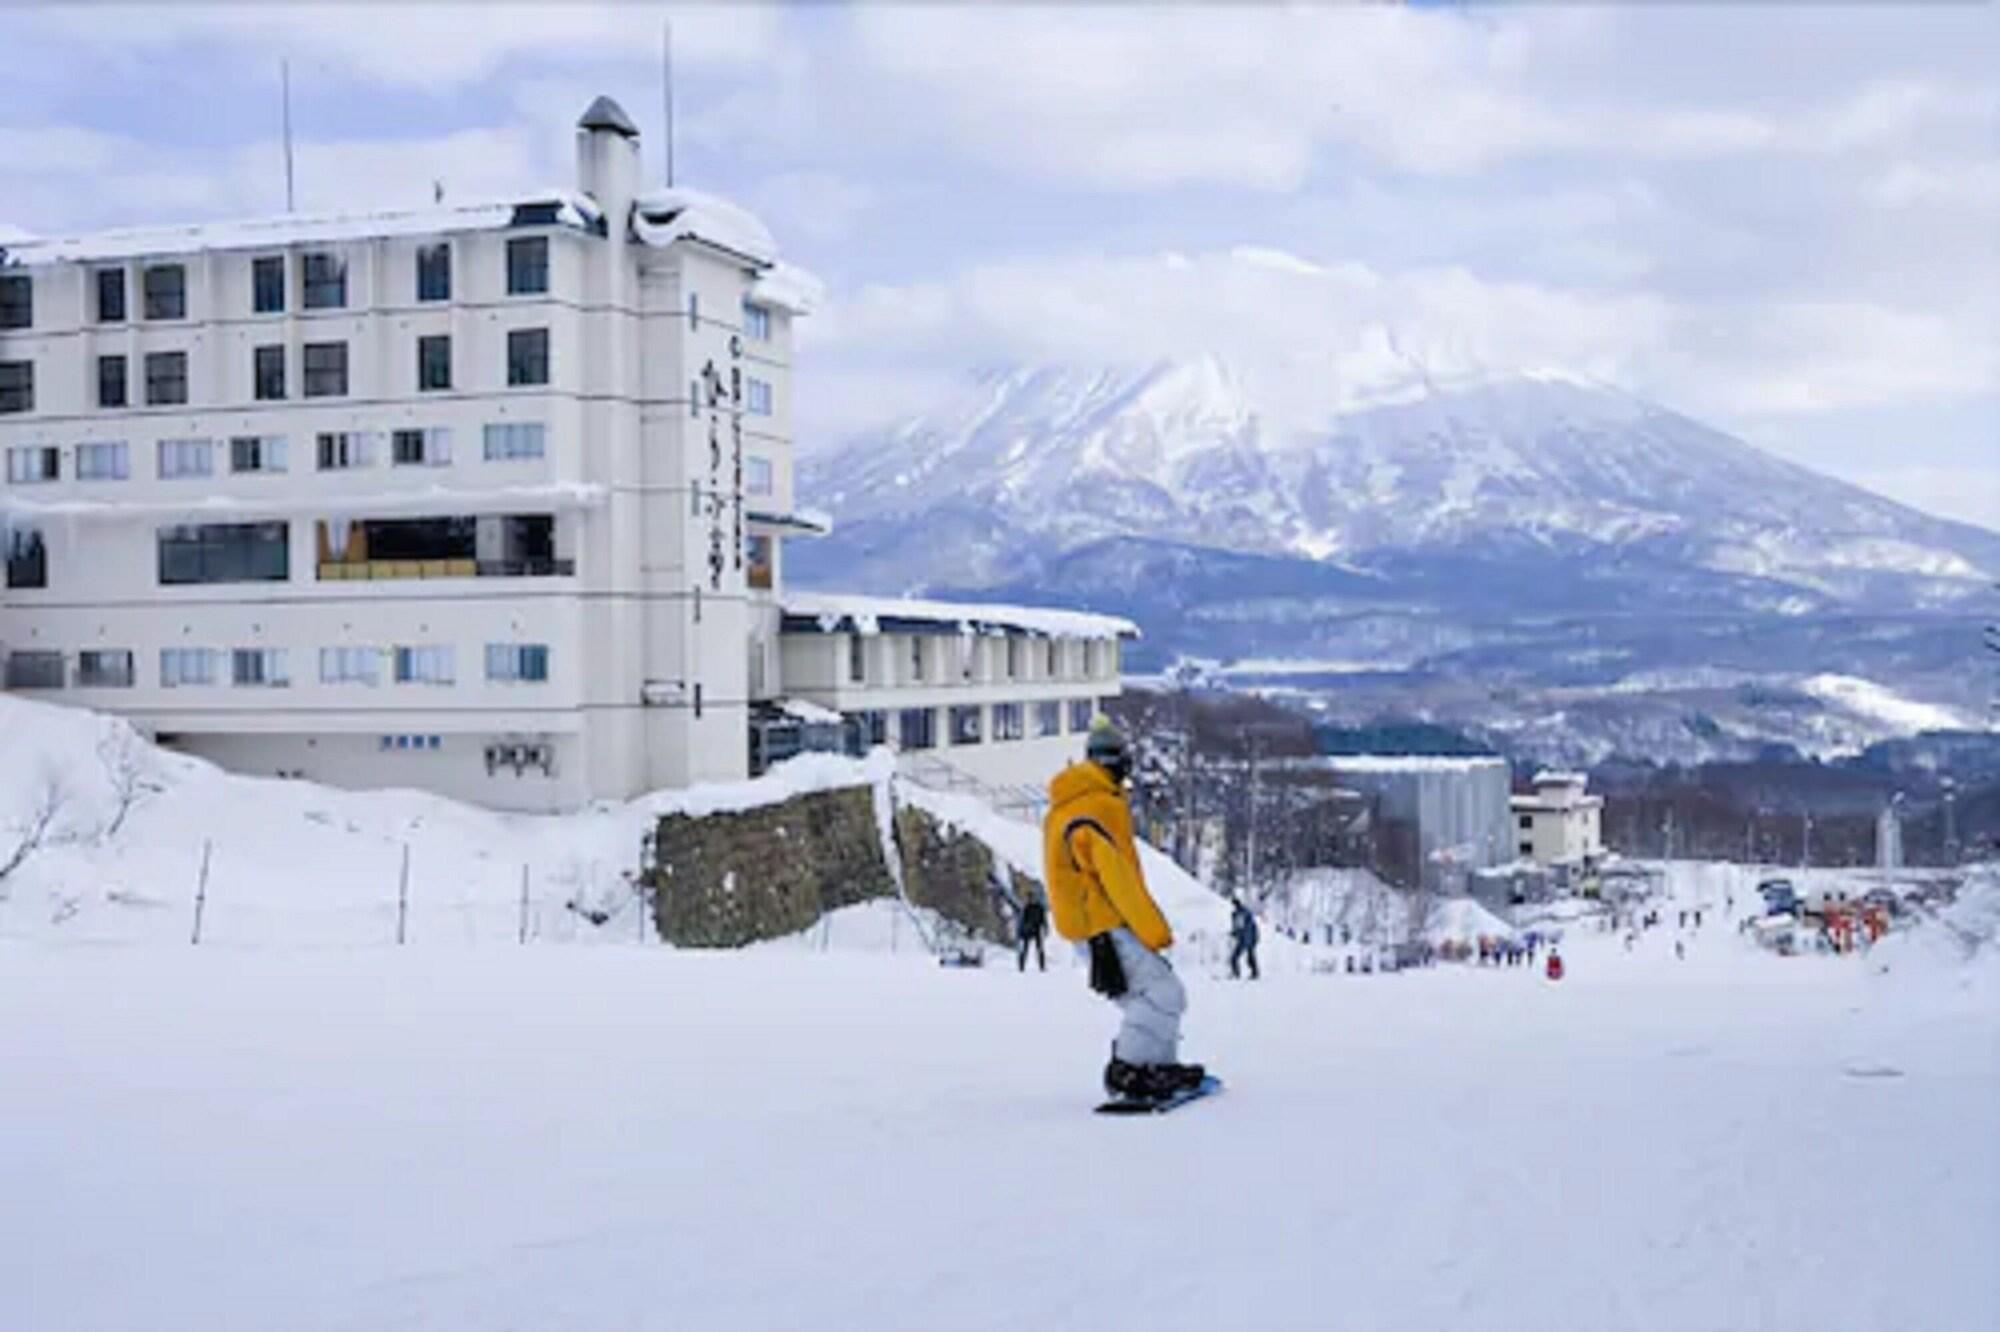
x=1034, y=925
x=1242, y=939
x=1097, y=896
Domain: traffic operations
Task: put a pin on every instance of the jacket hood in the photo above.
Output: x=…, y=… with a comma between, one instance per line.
x=1080, y=779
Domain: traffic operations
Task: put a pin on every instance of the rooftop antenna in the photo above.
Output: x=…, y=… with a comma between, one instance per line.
x=285, y=79
x=667, y=92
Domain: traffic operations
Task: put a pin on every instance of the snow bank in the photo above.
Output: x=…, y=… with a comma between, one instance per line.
x=292, y=862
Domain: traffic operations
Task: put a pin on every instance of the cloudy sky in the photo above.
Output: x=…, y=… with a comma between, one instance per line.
x=1783, y=219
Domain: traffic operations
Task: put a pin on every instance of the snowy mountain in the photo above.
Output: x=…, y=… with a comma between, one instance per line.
x=1426, y=519
x=1032, y=465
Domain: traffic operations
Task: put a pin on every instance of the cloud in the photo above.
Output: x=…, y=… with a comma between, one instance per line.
x=418, y=46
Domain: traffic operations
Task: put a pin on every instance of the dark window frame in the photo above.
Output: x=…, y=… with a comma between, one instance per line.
x=191, y=554
x=115, y=310
x=17, y=300
x=429, y=377
x=92, y=662
x=315, y=380
x=27, y=558
x=322, y=280
x=434, y=272
x=17, y=387
x=265, y=297
x=164, y=291
x=528, y=266
x=267, y=372
x=164, y=389
x=121, y=394
x=527, y=357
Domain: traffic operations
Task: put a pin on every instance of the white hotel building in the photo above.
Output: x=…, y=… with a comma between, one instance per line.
x=493, y=500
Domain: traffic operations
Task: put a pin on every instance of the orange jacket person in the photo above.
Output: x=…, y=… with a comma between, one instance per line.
x=1098, y=897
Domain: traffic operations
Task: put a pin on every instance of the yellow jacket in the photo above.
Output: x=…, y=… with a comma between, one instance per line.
x=1090, y=862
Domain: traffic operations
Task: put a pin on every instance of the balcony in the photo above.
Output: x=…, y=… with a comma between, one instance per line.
x=395, y=549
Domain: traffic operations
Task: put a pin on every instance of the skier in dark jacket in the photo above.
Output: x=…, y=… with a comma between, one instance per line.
x=1034, y=924
x=1243, y=937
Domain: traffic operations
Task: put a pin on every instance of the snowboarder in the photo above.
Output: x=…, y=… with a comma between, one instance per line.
x=1098, y=897
x=1242, y=939
x=1034, y=925
x=1555, y=965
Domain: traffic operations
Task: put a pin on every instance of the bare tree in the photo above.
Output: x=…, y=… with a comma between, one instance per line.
x=36, y=831
x=127, y=772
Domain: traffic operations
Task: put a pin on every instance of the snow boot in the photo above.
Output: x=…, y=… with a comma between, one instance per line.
x=1131, y=1081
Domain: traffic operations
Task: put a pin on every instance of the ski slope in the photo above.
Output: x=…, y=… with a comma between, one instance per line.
x=299, y=1124
x=624, y=1137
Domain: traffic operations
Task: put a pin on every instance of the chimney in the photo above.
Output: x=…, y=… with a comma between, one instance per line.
x=607, y=156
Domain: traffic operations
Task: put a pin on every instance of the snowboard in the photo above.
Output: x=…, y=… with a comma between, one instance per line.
x=1119, y=1105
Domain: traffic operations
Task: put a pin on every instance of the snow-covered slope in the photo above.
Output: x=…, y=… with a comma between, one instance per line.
x=292, y=862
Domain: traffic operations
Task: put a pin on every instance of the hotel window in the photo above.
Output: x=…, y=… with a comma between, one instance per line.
x=507, y=441
x=259, y=668
x=420, y=448
x=258, y=453
x=225, y=553
x=425, y=665
x=527, y=356
x=1054, y=662
x=342, y=450
x=189, y=666
x=1048, y=719
x=104, y=668
x=757, y=475
x=1079, y=715
x=17, y=301
x=857, y=659
x=166, y=378
x=17, y=386
x=434, y=272
x=30, y=464
x=350, y=665
x=323, y=281
x=869, y=727
x=1013, y=657
x=186, y=457
x=756, y=321
x=527, y=265
x=965, y=724
x=760, y=397
x=103, y=462
x=27, y=558
x=517, y=663
x=110, y=295
x=267, y=285
x=112, y=378
x=433, y=362
x=916, y=658
x=916, y=728
x=1009, y=721
x=268, y=369
x=694, y=311
x=165, y=289
x=34, y=670
x=325, y=369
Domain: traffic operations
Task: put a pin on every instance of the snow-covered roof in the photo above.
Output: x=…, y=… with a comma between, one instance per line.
x=1551, y=777
x=836, y=613
x=661, y=217
x=566, y=207
x=1397, y=763
x=788, y=287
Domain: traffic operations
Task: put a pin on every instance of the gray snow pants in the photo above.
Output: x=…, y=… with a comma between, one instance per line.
x=1153, y=1003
